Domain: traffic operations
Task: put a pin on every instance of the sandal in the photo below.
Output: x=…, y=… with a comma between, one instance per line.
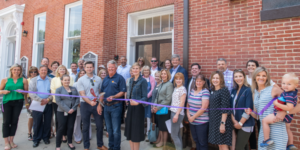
x=7, y=147
x=30, y=137
x=13, y=145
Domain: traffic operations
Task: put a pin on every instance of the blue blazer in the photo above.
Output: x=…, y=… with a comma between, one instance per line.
x=244, y=100
x=185, y=74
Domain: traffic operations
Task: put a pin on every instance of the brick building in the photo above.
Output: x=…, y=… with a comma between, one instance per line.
x=202, y=31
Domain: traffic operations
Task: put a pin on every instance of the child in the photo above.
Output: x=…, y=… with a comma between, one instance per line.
x=289, y=85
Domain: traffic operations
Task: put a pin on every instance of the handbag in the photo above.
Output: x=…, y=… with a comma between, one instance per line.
x=153, y=132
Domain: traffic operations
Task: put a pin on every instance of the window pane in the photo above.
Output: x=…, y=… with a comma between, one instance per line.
x=74, y=51
x=75, y=21
x=141, y=25
x=171, y=22
x=165, y=51
x=156, y=24
x=165, y=23
x=40, y=54
x=149, y=26
x=145, y=51
x=41, y=29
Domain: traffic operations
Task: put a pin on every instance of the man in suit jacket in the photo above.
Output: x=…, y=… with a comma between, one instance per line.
x=154, y=66
x=177, y=68
x=195, y=70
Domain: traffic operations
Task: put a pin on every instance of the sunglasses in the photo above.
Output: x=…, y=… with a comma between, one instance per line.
x=92, y=82
x=32, y=71
x=153, y=60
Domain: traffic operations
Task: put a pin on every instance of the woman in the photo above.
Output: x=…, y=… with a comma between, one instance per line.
x=54, y=65
x=32, y=72
x=154, y=93
x=177, y=114
x=77, y=126
x=199, y=120
x=127, y=82
x=264, y=92
x=56, y=83
x=168, y=65
x=241, y=97
x=141, y=61
x=102, y=74
x=66, y=111
x=134, y=124
x=146, y=72
x=12, y=103
x=164, y=97
x=220, y=123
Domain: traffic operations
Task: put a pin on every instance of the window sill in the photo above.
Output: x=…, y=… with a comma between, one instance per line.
x=281, y=13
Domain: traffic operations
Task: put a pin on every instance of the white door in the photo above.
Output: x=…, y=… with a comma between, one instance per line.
x=11, y=56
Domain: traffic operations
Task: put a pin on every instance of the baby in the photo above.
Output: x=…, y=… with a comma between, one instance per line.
x=286, y=102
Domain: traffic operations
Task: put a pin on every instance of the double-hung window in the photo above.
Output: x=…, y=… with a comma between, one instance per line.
x=39, y=38
x=72, y=33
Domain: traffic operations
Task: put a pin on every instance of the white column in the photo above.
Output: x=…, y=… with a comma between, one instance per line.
x=1, y=47
x=18, y=18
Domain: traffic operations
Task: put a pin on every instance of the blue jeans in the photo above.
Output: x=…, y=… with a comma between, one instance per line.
x=113, y=116
x=200, y=135
x=86, y=110
x=42, y=124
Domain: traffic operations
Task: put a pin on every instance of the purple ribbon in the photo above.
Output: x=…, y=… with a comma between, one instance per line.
x=148, y=103
x=266, y=107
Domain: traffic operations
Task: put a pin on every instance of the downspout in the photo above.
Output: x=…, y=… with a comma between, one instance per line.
x=186, y=34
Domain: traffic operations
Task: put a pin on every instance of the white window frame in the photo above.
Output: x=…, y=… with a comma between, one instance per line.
x=132, y=29
x=35, y=43
x=65, y=57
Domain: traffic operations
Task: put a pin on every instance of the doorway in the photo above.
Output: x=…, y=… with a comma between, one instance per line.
x=161, y=49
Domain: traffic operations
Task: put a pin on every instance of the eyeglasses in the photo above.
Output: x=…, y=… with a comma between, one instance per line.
x=153, y=60
x=32, y=71
x=238, y=70
x=92, y=82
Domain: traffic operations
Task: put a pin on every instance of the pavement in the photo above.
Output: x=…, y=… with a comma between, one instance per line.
x=23, y=143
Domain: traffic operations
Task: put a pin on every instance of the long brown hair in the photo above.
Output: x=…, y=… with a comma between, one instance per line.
x=235, y=85
x=222, y=81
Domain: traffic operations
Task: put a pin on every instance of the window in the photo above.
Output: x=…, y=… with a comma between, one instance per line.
x=279, y=9
x=72, y=33
x=155, y=24
x=39, y=38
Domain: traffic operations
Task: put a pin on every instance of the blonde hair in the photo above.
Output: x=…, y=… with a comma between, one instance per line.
x=258, y=70
x=180, y=76
x=101, y=71
x=168, y=74
x=292, y=76
x=135, y=64
x=61, y=66
x=12, y=67
x=146, y=68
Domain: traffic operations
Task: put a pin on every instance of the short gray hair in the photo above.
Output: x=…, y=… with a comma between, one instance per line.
x=222, y=59
x=80, y=60
x=146, y=68
x=175, y=56
x=112, y=62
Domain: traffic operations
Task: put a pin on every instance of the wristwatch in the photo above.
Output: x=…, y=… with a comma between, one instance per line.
x=222, y=122
x=287, y=112
x=240, y=124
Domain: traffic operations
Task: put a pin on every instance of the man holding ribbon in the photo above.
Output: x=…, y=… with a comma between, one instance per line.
x=114, y=87
x=89, y=85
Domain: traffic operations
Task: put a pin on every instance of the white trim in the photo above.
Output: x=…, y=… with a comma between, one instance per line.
x=11, y=9
x=132, y=29
x=26, y=73
x=35, y=33
x=65, y=57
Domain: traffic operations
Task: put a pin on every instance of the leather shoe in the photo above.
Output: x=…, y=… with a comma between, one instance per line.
x=47, y=142
x=193, y=148
x=35, y=144
x=102, y=148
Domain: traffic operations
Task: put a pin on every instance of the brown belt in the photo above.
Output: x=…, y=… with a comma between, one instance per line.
x=110, y=104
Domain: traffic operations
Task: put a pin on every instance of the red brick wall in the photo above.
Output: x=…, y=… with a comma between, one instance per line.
x=4, y=4
x=233, y=30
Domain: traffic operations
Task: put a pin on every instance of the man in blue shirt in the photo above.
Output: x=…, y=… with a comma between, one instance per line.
x=41, y=120
x=114, y=87
x=45, y=62
x=124, y=69
x=177, y=68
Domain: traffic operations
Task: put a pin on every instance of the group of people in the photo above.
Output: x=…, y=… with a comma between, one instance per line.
x=215, y=104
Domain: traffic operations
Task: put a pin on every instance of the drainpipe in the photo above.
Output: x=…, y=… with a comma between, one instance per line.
x=186, y=34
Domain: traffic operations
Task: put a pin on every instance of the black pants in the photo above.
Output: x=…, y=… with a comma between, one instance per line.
x=54, y=106
x=65, y=123
x=42, y=124
x=12, y=110
x=252, y=139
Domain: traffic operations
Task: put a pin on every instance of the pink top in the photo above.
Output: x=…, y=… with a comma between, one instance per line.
x=152, y=82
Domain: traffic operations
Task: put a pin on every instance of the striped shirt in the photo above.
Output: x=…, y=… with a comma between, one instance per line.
x=195, y=101
x=228, y=78
x=290, y=97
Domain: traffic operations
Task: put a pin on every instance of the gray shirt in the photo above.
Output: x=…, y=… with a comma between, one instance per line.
x=85, y=84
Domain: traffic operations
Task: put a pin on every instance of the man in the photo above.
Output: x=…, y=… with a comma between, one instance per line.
x=41, y=120
x=124, y=69
x=228, y=75
x=87, y=106
x=154, y=67
x=114, y=87
x=73, y=71
x=177, y=68
x=45, y=62
x=80, y=64
x=195, y=70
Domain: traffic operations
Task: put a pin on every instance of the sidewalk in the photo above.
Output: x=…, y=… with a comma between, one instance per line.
x=24, y=144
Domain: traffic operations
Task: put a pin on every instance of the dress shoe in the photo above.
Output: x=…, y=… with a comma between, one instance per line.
x=102, y=148
x=193, y=148
x=35, y=144
x=72, y=148
x=47, y=141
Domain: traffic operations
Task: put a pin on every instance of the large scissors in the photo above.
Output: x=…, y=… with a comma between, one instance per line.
x=93, y=93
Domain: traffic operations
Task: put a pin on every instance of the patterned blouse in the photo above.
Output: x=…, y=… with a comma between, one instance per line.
x=178, y=92
x=195, y=101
